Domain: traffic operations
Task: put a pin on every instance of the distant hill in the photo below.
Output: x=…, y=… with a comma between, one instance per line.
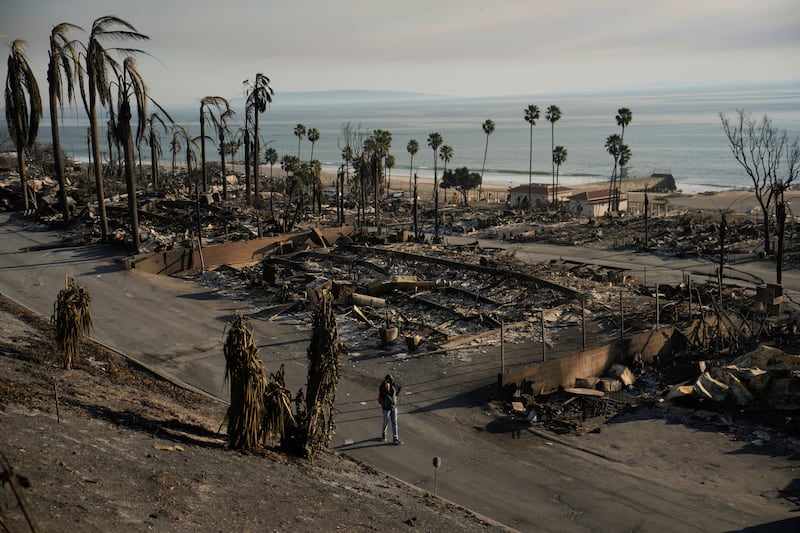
x=344, y=96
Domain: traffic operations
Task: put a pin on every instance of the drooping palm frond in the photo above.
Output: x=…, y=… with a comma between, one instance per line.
x=23, y=101
x=23, y=108
x=62, y=70
x=323, y=378
x=279, y=421
x=101, y=70
x=207, y=107
x=248, y=385
x=72, y=319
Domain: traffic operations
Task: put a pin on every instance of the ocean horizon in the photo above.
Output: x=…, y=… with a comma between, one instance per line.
x=673, y=130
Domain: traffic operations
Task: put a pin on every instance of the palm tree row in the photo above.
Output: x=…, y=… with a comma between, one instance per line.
x=621, y=154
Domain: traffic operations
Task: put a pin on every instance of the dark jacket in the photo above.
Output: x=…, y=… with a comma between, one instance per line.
x=388, y=399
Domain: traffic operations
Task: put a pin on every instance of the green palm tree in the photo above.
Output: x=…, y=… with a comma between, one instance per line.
x=624, y=157
x=380, y=149
x=98, y=64
x=259, y=96
x=559, y=158
x=299, y=132
x=390, y=163
x=531, y=116
x=488, y=129
x=208, y=105
x=316, y=192
x=63, y=70
x=621, y=154
x=623, y=118
x=131, y=86
x=446, y=154
x=23, y=109
x=553, y=115
x=434, y=141
x=412, y=148
x=313, y=137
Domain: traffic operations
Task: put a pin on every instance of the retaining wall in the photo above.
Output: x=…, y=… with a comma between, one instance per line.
x=550, y=375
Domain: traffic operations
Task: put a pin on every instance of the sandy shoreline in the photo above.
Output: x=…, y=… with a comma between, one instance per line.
x=734, y=201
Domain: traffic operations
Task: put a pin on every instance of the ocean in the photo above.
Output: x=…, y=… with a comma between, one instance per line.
x=677, y=131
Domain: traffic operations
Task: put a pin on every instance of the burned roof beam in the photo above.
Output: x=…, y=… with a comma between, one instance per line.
x=521, y=276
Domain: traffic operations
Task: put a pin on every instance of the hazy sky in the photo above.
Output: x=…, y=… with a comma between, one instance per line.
x=452, y=47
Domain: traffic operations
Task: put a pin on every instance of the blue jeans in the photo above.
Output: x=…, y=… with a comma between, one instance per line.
x=390, y=415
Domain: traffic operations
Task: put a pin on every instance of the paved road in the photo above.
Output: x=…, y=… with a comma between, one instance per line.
x=177, y=328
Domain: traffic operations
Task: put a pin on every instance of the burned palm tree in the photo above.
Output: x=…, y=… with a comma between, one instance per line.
x=279, y=421
x=72, y=319
x=259, y=96
x=223, y=130
x=153, y=140
x=207, y=107
x=323, y=377
x=63, y=69
x=248, y=384
x=131, y=86
x=23, y=109
x=99, y=63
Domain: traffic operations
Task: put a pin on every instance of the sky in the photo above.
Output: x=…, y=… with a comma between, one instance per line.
x=447, y=47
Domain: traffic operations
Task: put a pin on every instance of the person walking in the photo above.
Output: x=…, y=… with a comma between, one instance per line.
x=387, y=397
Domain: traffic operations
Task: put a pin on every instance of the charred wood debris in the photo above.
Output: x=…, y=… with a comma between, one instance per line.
x=439, y=297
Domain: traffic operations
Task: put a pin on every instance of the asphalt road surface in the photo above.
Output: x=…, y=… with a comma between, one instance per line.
x=177, y=328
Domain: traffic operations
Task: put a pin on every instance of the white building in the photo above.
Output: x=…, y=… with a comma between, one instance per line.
x=595, y=203
x=540, y=194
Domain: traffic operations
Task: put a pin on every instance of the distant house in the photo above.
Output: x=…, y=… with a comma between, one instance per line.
x=657, y=206
x=595, y=203
x=540, y=194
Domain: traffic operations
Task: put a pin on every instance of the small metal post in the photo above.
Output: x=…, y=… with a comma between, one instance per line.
x=502, y=347
x=583, y=321
x=437, y=462
x=544, y=345
x=657, y=309
x=58, y=412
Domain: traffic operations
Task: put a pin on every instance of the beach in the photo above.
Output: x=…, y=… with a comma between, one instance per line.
x=736, y=201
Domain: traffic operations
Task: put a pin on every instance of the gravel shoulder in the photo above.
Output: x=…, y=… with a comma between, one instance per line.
x=124, y=449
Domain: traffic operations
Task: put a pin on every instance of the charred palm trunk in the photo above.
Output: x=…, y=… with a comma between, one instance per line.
x=255, y=156
x=222, y=164
x=98, y=161
x=203, y=152
x=780, y=212
x=59, y=162
x=127, y=147
x=23, y=178
x=416, y=225
x=154, y=163
x=247, y=168
x=767, y=232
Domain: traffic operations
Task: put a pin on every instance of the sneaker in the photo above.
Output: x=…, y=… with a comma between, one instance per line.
x=383, y=438
x=397, y=441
